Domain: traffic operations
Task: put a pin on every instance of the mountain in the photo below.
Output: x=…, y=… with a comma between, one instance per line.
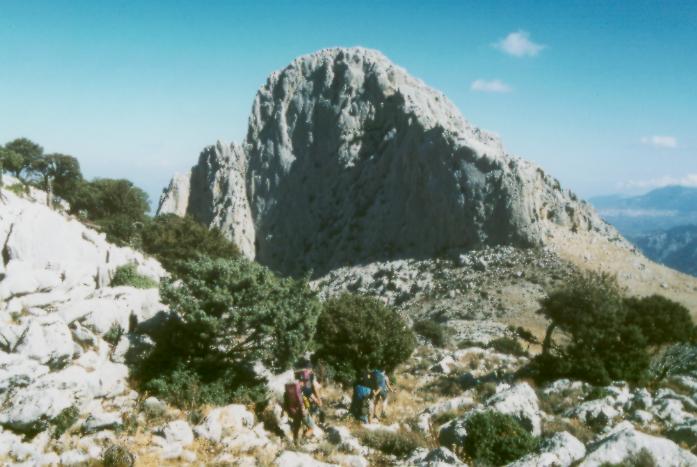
x=658, y=209
x=348, y=160
x=661, y=223
x=675, y=247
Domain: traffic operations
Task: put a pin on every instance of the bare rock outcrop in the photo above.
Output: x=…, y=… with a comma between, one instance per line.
x=348, y=159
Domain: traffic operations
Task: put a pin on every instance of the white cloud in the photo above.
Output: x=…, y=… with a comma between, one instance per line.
x=519, y=44
x=482, y=85
x=660, y=141
x=689, y=180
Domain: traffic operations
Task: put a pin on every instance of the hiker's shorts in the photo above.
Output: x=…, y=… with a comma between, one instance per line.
x=303, y=420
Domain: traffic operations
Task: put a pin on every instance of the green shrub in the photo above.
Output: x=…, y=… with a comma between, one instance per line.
x=400, y=443
x=661, y=320
x=113, y=335
x=494, y=438
x=507, y=345
x=601, y=345
x=227, y=314
x=18, y=188
x=117, y=456
x=117, y=206
x=173, y=239
x=435, y=332
x=597, y=392
x=128, y=275
x=642, y=458
x=64, y=420
x=356, y=333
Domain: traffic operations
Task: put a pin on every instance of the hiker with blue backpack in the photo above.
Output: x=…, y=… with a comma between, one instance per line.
x=380, y=388
x=362, y=398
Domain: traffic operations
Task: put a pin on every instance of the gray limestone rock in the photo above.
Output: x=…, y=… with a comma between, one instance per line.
x=348, y=159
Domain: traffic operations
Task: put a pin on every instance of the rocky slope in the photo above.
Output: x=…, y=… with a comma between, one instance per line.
x=348, y=160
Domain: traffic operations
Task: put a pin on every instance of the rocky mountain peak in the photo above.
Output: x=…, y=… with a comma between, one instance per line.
x=348, y=159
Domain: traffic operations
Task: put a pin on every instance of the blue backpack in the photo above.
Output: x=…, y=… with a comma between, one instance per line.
x=379, y=380
x=361, y=392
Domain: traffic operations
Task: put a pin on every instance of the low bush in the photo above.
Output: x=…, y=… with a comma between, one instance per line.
x=64, y=420
x=113, y=335
x=661, y=320
x=436, y=333
x=396, y=443
x=507, y=345
x=128, y=275
x=18, y=189
x=494, y=438
x=117, y=456
x=357, y=333
x=642, y=458
x=173, y=239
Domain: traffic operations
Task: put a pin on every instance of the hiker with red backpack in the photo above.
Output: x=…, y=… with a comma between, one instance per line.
x=297, y=406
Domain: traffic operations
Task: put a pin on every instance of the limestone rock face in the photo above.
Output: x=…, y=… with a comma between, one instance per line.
x=348, y=159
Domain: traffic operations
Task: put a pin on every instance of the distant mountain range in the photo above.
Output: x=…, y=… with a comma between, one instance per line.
x=662, y=223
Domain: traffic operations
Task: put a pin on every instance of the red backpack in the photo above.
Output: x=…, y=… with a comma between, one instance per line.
x=293, y=399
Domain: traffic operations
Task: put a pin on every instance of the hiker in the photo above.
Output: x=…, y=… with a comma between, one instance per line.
x=361, y=400
x=310, y=388
x=380, y=389
x=297, y=406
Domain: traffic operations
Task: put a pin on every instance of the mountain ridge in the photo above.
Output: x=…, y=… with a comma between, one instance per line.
x=348, y=159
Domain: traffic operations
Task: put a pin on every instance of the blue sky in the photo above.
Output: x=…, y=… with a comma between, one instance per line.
x=602, y=94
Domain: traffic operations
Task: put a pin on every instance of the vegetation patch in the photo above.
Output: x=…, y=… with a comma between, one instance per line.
x=607, y=336
x=113, y=335
x=494, y=438
x=64, y=420
x=396, y=443
x=128, y=275
x=358, y=333
x=226, y=315
x=507, y=345
x=436, y=333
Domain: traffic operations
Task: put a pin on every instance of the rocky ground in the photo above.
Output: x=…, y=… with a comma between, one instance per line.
x=66, y=337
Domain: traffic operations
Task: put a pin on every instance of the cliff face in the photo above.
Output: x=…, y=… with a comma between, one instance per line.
x=348, y=159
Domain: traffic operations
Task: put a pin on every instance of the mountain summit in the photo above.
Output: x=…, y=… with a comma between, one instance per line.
x=349, y=159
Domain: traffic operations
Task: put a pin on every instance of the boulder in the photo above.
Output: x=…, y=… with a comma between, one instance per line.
x=519, y=401
x=31, y=408
x=225, y=421
x=154, y=407
x=684, y=434
x=17, y=371
x=22, y=278
x=47, y=340
x=299, y=459
x=444, y=366
x=345, y=441
x=624, y=441
x=440, y=457
x=598, y=412
x=102, y=421
x=177, y=432
x=350, y=460
x=561, y=450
